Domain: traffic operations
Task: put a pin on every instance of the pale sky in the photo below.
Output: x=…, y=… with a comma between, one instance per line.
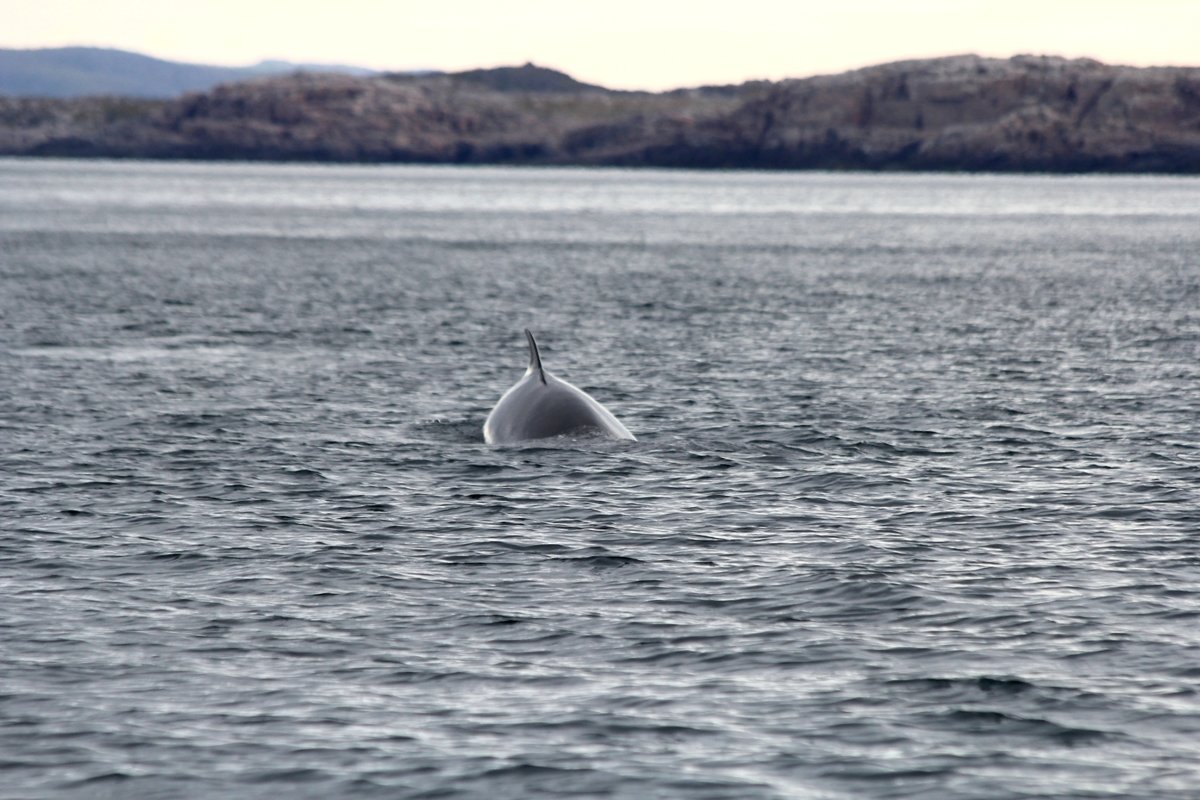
x=629, y=44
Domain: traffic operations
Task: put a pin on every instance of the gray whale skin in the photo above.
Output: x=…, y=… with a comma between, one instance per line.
x=540, y=406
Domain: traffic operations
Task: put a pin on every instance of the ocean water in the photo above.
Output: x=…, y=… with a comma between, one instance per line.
x=914, y=510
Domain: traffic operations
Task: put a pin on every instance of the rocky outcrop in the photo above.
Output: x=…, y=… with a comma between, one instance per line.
x=35, y=126
x=322, y=117
x=966, y=113
x=960, y=113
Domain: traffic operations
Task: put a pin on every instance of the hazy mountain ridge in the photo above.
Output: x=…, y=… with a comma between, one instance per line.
x=962, y=112
x=91, y=71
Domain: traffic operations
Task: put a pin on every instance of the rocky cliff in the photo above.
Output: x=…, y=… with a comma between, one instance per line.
x=967, y=113
x=963, y=113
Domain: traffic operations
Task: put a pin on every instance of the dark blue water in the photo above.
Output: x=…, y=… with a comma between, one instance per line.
x=914, y=510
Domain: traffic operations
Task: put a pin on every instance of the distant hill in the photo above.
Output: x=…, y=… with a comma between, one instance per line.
x=85, y=71
x=526, y=78
x=1023, y=114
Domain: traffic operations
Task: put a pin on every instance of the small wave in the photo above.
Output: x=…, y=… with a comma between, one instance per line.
x=990, y=721
x=598, y=563
x=957, y=686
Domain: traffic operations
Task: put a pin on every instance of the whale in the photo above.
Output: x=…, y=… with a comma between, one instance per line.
x=542, y=405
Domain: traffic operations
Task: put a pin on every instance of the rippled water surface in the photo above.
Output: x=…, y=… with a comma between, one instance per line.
x=914, y=510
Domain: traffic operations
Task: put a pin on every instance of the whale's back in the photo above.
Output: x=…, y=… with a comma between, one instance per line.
x=541, y=406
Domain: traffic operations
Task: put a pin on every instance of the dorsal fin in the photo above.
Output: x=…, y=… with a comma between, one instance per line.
x=535, y=358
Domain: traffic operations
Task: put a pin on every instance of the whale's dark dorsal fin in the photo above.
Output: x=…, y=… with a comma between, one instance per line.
x=535, y=358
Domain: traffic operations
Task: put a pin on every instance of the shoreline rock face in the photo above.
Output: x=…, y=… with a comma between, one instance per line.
x=971, y=113
x=958, y=113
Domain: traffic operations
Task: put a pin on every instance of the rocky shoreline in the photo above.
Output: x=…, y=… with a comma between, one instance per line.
x=1027, y=113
